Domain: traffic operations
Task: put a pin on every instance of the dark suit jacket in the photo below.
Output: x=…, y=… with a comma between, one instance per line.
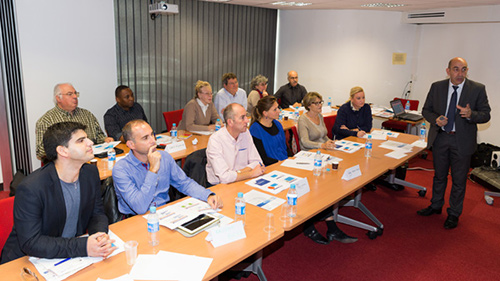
x=474, y=94
x=40, y=215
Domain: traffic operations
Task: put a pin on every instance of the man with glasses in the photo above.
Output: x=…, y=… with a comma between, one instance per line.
x=66, y=109
x=453, y=107
x=230, y=93
x=292, y=93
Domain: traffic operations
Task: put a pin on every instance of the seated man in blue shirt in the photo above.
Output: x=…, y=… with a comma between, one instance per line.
x=144, y=176
x=125, y=110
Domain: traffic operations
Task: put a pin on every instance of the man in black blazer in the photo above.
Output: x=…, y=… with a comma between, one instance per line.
x=453, y=107
x=60, y=202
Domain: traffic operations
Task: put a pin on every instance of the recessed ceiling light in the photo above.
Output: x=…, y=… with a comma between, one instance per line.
x=382, y=5
x=285, y=3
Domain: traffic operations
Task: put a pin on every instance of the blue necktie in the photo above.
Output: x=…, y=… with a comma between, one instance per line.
x=452, y=107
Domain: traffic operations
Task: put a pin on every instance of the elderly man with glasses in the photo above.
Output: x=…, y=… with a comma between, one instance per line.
x=66, y=109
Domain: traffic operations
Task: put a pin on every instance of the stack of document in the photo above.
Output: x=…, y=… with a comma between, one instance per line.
x=60, y=269
x=348, y=146
x=305, y=160
x=104, y=147
x=399, y=149
x=173, y=216
x=273, y=182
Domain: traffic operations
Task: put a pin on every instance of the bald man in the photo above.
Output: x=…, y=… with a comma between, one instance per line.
x=292, y=93
x=453, y=107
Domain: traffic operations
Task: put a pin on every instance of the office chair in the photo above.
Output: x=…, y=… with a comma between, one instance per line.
x=400, y=126
x=6, y=219
x=294, y=142
x=110, y=201
x=171, y=117
x=488, y=196
x=329, y=122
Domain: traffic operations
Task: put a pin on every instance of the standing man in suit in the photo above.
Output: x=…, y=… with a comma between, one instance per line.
x=454, y=107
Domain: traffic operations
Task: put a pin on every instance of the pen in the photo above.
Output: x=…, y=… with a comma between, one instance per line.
x=302, y=163
x=64, y=260
x=260, y=164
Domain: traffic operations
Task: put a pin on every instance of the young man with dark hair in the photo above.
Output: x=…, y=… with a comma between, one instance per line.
x=60, y=202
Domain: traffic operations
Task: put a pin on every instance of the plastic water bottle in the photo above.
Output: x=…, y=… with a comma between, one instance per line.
x=368, y=147
x=218, y=124
x=318, y=164
x=153, y=227
x=240, y=207
x=281, y=115
x=111, y=158
x=291, y=197
x=173, y=132
x=329, y=101
x=407, y=106
x=423, y=131
x=296, y=113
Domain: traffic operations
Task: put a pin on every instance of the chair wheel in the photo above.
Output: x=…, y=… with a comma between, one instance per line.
x=422, y=193
x=489, y=200
x=374, y=234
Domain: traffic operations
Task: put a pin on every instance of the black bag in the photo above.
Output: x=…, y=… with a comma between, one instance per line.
x=482, y=156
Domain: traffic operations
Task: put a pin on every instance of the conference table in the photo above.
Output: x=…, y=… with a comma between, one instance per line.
x=326, y=191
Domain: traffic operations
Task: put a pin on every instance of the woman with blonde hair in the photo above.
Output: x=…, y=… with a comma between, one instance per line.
x=200, y=113
x=313, y=134
x=267, y=132
x=354, y=117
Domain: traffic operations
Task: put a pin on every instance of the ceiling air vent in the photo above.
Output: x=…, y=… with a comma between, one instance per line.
x=426, y=15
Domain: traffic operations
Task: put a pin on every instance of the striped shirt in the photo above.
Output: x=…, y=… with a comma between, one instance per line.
x=57, y=115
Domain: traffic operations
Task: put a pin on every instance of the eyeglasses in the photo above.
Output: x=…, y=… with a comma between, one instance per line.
x=70, y=94
x=317, y=102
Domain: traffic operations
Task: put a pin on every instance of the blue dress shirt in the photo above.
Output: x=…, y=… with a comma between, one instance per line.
x=137, y=187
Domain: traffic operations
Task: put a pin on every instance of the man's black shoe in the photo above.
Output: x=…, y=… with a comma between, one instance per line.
x=317, y=237
x=341, y=237
x=451, y=222
x=428, y=211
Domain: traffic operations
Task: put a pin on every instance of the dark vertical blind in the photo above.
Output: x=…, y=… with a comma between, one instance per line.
x=162, y=59
x=13, y=88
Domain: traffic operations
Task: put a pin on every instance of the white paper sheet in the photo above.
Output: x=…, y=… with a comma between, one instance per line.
x=226, y=234
x=125, y=277
x=420, y=143
x=99, y=148
x=205, y=133
x=265, y=201
x=396, y=154
x=170, y=266
x=395, y=145
x=348, y=146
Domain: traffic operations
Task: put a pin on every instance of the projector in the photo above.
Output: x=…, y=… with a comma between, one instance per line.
x=163, y=8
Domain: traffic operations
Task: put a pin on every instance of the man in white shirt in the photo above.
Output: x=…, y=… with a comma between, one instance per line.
x=231, y=154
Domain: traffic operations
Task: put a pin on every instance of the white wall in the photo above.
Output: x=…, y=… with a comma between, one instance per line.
x=478, y=43
x=333, y=51
x=66, y=41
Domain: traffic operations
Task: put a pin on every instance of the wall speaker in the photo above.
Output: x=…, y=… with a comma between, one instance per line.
x=495, y=159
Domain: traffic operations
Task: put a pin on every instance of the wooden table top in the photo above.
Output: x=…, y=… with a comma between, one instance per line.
x=135, y=228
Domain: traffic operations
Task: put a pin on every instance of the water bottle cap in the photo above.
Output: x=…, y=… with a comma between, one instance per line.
x=292, y=186
x=240, y=194
x=152, y=209
x=218, y=120
x=423, y=123
x=369, y=136
x=318, y=152
x=328, y=169
x=174, y=125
